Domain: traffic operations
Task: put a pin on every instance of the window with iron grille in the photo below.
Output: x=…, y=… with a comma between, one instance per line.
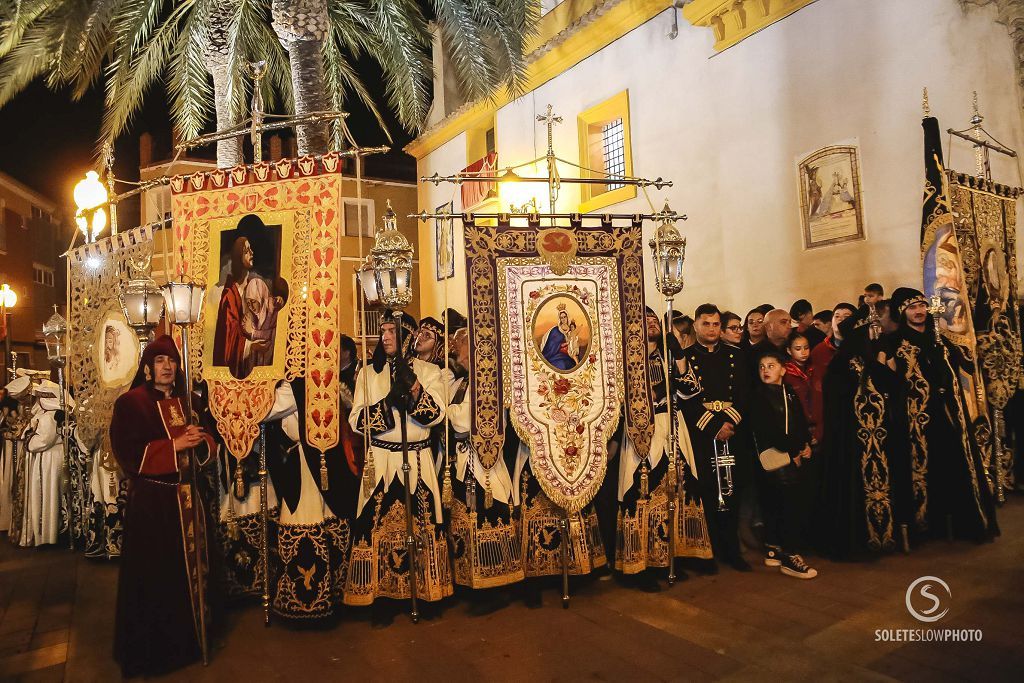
x=613, y=149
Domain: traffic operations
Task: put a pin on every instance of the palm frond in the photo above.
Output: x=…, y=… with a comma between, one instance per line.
x=188, y=84
x=340, y=78
x=16, y=18
x=400, y=46
x=131, y=75
x=464, y=39
x=26, y=62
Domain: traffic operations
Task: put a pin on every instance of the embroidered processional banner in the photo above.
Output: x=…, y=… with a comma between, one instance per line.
x=986, y=224
x=103, y=352
x=265, y=241
x=944, y=277
x=558, y=340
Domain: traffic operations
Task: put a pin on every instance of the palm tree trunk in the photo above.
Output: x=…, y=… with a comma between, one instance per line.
x=303, y=26
x=307, y=65
x=216, y=57
x=229, y=152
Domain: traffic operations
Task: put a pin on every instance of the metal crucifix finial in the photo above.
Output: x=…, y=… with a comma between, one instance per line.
x=257, y=70
x=554, y=182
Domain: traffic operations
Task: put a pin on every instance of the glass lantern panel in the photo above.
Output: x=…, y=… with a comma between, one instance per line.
x=368, y=282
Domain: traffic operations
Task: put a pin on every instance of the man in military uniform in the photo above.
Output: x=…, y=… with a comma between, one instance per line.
x=714, y=422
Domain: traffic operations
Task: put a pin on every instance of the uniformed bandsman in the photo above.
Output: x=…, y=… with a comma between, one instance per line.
x=715, y=427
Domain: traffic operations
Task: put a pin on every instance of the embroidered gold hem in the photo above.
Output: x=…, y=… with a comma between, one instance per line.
x=542, y=538
x=380, y=568
x=485, y=556
x=642, y=538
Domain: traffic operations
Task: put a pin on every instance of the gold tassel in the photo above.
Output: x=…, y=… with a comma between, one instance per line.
x=644, y=481
x=446, y=488
x=368, y=474
x=233, y=531
x=239, y=482
x=323, y=472
x=488, y=494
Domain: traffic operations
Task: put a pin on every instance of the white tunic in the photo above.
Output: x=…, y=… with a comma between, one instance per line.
x=461, y=418
x=43, y=466
x=371, y=388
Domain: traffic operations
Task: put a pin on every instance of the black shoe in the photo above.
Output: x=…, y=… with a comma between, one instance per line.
x=740, y=565
x=772, y=556
x=794, y=565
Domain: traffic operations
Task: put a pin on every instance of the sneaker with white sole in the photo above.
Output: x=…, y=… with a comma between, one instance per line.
x=794, y=565
x=772, y=556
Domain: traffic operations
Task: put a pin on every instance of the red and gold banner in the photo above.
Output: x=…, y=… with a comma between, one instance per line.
x=265, y=241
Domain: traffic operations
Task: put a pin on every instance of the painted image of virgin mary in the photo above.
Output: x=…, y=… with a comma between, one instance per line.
x=555, y=346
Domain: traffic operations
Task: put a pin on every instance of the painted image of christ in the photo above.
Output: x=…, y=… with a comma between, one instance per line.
x=251, y=298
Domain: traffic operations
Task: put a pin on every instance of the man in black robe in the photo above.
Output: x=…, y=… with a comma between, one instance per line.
x=864, y=501
x=948, y=480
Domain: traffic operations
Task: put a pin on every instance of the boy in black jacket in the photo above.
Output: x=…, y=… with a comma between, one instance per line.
x=778, y=422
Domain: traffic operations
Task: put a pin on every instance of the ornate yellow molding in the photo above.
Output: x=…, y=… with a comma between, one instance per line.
x=734, y=20
x=566, y=36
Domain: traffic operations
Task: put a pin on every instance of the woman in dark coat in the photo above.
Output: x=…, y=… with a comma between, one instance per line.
x=157, y=619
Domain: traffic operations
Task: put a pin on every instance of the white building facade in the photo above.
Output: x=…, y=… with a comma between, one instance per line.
x=725, y=98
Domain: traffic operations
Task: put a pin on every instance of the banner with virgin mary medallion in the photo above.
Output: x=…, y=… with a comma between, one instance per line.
x=558, y=339
x=265, y=242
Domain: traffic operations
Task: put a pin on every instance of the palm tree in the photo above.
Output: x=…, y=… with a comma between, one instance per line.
x=309, y=46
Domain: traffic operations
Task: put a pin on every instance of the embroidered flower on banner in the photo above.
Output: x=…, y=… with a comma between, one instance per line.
x=565, y=397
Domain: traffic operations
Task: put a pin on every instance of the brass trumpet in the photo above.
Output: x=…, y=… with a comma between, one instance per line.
x=724, y=462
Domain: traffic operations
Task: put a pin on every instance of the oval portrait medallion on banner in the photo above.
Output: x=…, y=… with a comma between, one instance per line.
x=562, y=332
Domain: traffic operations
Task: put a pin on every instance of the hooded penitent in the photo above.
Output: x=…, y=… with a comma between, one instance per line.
x=162, y=346
x=406, y=335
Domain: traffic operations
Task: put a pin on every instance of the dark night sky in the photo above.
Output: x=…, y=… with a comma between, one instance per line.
x=49, y=141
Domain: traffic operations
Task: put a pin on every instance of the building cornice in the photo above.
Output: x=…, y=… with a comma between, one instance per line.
x=28, y=193
x=734, y=20
x=565, y=36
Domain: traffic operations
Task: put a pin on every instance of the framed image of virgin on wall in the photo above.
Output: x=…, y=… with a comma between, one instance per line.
x=444, y=242
x=831, y=204
x=248, y=277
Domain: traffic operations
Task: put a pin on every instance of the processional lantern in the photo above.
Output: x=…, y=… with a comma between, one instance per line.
x=142, y=303
x=90, y=198
x=183, y=302
x=55, y=335
x=386, y=274
x=668, y=248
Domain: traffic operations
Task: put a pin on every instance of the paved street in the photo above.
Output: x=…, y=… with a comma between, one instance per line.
x=56, y=623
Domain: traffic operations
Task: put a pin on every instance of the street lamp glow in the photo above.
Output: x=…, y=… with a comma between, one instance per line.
x=8, y=298
x=90, y=198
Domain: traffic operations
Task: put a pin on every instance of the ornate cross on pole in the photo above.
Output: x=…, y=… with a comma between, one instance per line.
x=554, y=183
x=981, y=162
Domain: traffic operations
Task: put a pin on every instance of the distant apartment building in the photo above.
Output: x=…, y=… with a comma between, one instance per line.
x=33, y=234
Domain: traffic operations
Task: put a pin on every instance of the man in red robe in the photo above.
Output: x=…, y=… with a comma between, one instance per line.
x=229, y=339
x=158, y=601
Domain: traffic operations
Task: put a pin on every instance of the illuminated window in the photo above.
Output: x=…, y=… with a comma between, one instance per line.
x=605, y=152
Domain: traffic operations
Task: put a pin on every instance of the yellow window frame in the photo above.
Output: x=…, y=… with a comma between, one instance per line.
x=615, y=107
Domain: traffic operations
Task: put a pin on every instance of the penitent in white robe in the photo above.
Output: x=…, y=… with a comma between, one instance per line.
x=43, y=466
